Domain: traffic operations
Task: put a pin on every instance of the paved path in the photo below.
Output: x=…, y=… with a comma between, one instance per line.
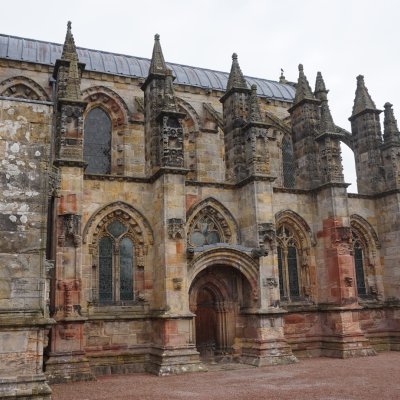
x=370, y=378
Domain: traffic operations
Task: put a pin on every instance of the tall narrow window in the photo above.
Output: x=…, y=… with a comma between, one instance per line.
x=288, y=162
x=105, y=269
x=359, y=264
x=288, y=264
x=116, y=265
x=97, y=142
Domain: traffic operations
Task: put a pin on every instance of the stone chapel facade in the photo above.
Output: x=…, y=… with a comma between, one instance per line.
x=156, y=216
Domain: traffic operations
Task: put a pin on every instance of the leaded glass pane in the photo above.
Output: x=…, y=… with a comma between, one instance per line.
x=359, y=263
x=280, y=269
x=116, y=228
x=105, y=270
x=288, y=162
x=126, y=269
x=205, y=232
x=198, y=239
x=97, y=142
x=292, y=272
x=212, y=237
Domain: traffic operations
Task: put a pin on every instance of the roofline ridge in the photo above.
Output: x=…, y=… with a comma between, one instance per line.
x=143, y=58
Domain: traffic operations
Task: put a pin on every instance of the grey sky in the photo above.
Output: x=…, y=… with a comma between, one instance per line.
x=340, y=38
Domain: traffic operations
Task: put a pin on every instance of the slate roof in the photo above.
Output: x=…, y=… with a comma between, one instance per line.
x=36, y=51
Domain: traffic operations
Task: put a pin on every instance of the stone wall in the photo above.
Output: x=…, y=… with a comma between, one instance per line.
x=24, y=285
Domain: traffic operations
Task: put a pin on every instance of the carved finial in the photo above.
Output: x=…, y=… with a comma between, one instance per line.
x=157, y=65
x=236, y=79
x=320, y=88
x=282, y=78
x=326, y=124
x=70, y=89
x=391, y=132
x=303, y=90
x=69, y=49
x=363, y=100
x=254, y=108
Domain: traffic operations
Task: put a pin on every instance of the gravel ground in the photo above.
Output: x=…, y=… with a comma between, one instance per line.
x=370, y=378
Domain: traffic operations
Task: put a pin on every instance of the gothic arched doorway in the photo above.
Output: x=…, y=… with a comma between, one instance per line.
x=217, y=295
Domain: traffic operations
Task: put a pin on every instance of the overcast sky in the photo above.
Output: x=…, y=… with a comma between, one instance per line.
x=340, y=38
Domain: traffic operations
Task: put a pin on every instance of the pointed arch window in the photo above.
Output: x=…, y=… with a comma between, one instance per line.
x=116, y=264
x=359, y=252
x=97, y=142
x=288, y=264
x=288, y=168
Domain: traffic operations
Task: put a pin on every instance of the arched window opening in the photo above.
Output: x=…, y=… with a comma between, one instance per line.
x=97, y=142
x=288, y=162
x=116, y=265
x=288, y=264
x=359, y=261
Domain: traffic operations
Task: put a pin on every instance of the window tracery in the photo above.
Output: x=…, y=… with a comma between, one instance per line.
x=116, y=264
x=288, y=264
x=118, y=238
x=209, y=222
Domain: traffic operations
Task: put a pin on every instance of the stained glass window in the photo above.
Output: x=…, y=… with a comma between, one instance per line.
x=293, y=272
x=126, y=269
x=359, y=265
x=105, y=270
x=116, y=265
x=97, y=142
x=280, y=268
x=288, y=162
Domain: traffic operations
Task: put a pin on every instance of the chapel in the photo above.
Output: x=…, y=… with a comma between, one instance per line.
x=158, y=217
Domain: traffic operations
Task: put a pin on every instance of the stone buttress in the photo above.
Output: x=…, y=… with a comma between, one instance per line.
x=173, y=349
x=66, y=359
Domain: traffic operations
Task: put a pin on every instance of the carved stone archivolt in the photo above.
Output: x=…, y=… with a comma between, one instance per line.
x=110, y=101
x=22, y=87
x=300, y=226
x=138, y=228
x=209, y=222
x=366, y=230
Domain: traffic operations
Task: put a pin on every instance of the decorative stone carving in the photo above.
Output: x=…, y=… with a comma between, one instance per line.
x=68, y=331
x=259, y=252
x=171, y=149
x=270, y=282
x=267, y=234
x=177, y=282
x=70, y=230
x=54, y=182
x=23, y=88
x=348, y=281
x=176, y=228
